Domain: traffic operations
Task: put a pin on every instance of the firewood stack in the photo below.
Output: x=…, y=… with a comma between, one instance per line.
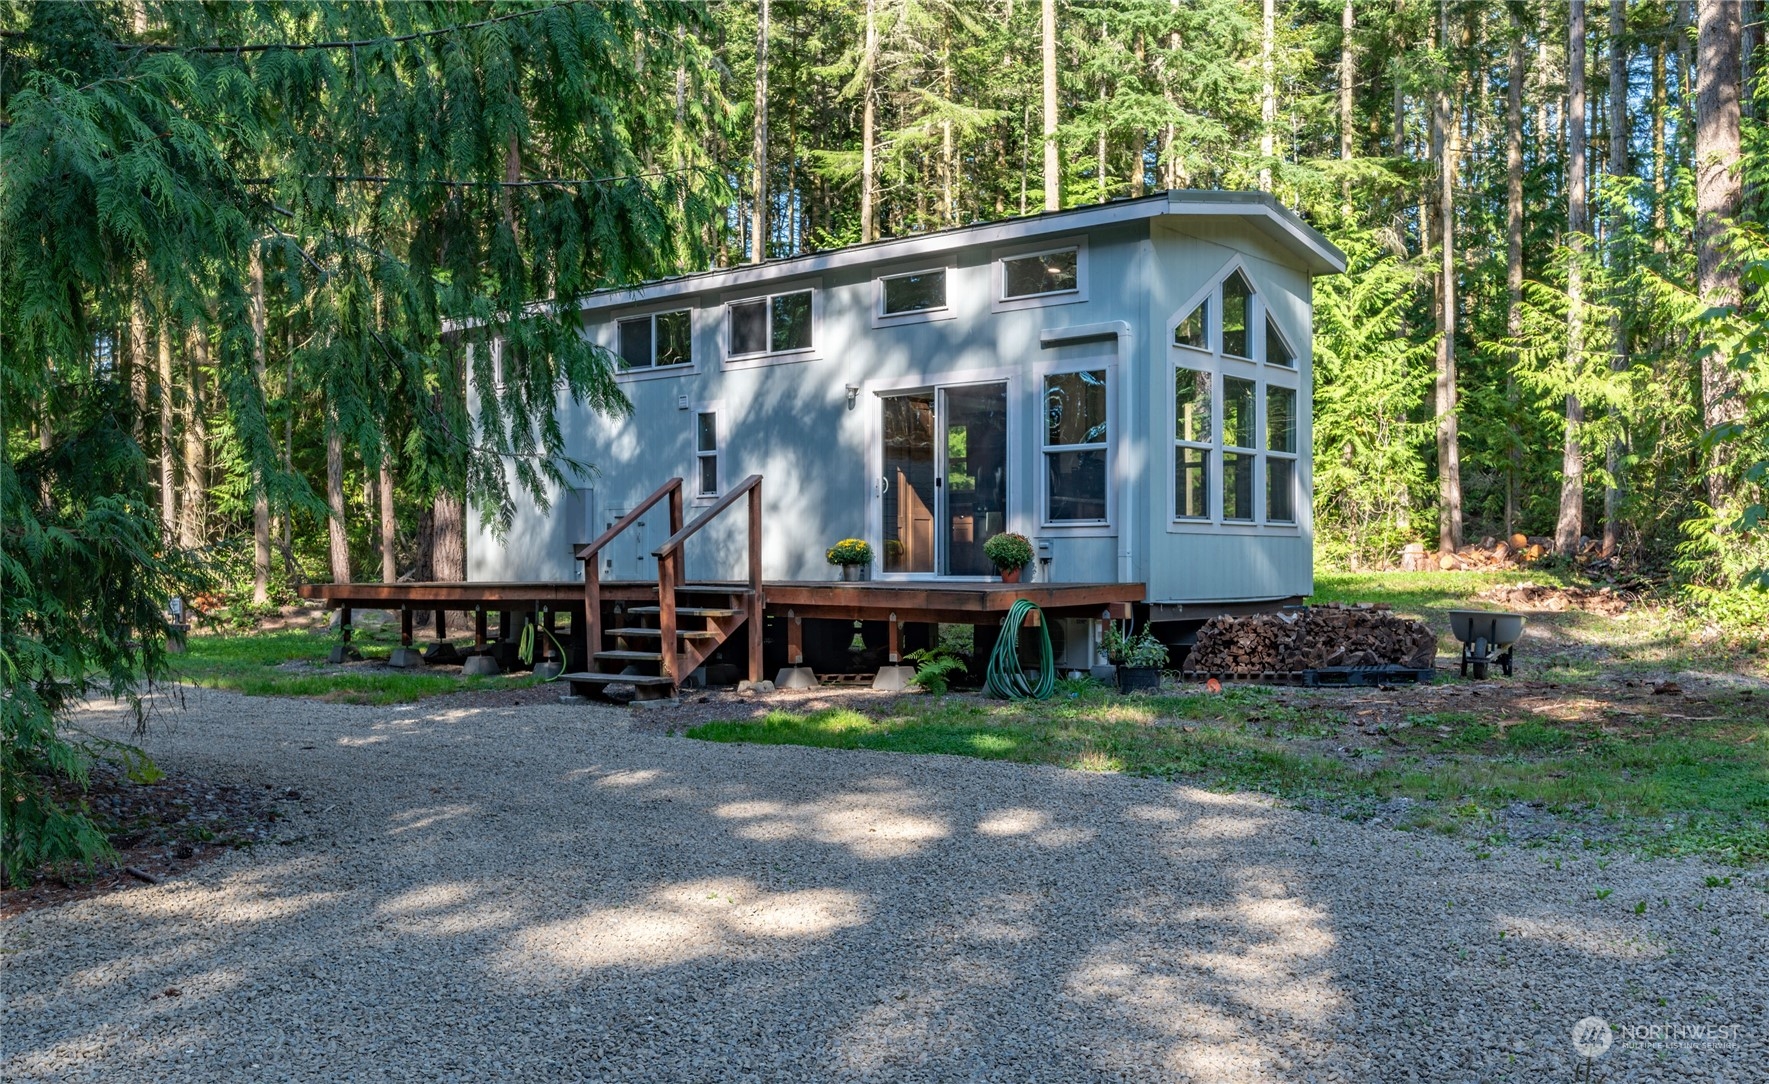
x=1320, y=636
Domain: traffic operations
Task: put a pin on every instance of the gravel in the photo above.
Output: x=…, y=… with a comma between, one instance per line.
x=542, y=893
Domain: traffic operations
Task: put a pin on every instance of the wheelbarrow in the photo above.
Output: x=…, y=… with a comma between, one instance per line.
x=1487, y=637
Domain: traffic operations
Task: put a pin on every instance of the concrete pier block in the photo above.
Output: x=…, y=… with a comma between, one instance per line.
x=480, y=666
x=405, y=658
x=343, y=653
x=893, y=679
x=796, y=677
x=547, y=669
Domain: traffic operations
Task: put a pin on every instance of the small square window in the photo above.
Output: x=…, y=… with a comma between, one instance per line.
x=916, y=292
x=1045, y=273
x=749, y=327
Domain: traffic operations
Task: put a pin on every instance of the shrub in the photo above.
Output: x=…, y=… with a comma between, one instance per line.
x=1008, y=550
x=849, y=551
x=1139, y=651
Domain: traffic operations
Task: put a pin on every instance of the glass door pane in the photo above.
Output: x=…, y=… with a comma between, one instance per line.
x=975, y=445
x=909, y=476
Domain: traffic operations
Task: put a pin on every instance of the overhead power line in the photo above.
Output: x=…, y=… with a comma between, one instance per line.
x=562, y=182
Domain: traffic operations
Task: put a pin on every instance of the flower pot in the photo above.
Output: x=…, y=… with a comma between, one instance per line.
x=1010, y=575
x=856, y=573
x=1139, y=679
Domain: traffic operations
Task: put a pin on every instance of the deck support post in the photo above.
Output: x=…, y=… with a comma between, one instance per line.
x=481, y=662
x=795, y=674
x=404, y=656
x=755, y=581
x=894, y=678
x=548, y=666
x=343, y=651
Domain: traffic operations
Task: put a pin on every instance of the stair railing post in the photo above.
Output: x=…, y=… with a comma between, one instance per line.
x=755, y=581
x=666, y=614
x=592, y=626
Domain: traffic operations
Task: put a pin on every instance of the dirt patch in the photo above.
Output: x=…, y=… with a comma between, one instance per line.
x=159, y=830
x=1608, y=601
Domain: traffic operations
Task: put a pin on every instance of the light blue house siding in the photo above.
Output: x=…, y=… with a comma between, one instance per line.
x=926, y=430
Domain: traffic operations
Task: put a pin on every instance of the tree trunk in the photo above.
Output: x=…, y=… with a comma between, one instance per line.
x=1268, y=101
x=340, y=541
x=1718, y=196
x=260, y=498
x=389, y=523
x=1449, y=456
x=1347, y=86
x=867, y=135
x=1618, y=331
x=1571, y=522
x=1659, y=110
x=449, y=556
x=168, y=443
x=192, y=527
x=1053, y=177
x=1513, y=252
x=759, y=211
x=136, y=378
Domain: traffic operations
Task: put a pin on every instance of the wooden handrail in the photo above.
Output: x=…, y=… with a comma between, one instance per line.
x=592, y=625
x=671, y=567
x=674, y=541
x=674, y=485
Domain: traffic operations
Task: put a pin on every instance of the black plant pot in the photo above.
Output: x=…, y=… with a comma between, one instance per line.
x=1133, y=679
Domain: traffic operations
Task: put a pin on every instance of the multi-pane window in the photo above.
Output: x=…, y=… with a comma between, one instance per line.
x=1043, y=273
x=1237, y=422
x=1237, y=304
x=771, y=325
x=1192, y=440
x=918, y=291
x=1280, y=459
x=658, y=340
x=706, y=453
x=1075, y=446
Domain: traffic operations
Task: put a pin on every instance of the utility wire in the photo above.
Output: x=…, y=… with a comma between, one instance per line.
x=301, y=47
x=352, y=178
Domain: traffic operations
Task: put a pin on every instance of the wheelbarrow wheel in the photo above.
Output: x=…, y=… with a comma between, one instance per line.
x=1481, y=651
x=1505, y=662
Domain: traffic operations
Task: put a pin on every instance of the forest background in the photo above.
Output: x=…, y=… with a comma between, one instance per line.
x=233, y=234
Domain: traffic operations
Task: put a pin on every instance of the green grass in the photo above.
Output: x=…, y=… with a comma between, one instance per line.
x=1702, y=792
x=253, y=663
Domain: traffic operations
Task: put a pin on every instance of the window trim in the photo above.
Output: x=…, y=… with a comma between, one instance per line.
x=1109, y=446
x=654, y=368
x=721, y=438
x=757, y=358
x=998, y=275
x=945, y=311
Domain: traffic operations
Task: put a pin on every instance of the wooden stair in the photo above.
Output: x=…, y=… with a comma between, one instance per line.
x=631, y=648
x=654, y=647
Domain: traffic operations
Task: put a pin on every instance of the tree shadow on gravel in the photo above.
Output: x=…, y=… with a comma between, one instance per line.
x=512, y=898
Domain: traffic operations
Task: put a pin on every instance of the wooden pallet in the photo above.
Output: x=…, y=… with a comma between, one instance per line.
x=1324, y=677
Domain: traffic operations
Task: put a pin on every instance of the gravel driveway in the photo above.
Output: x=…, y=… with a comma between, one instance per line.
x=542, y=894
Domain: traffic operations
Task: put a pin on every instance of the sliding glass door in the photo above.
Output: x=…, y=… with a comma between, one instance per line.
x=945, y=478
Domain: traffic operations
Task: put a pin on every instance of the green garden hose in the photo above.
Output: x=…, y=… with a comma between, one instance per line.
x=1006, y=679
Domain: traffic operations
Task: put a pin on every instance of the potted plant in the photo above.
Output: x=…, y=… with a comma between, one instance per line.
x=854, y=557
x=1010, y=553
x=1139, y=658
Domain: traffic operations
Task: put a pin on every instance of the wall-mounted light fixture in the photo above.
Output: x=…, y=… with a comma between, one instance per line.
x=853, y=395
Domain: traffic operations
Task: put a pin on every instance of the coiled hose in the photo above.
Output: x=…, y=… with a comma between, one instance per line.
x=1006, y=679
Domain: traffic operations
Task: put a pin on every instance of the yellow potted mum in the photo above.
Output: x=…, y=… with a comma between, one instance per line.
x=854, y=557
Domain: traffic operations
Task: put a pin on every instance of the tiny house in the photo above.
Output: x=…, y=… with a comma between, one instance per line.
x=1126, y=384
